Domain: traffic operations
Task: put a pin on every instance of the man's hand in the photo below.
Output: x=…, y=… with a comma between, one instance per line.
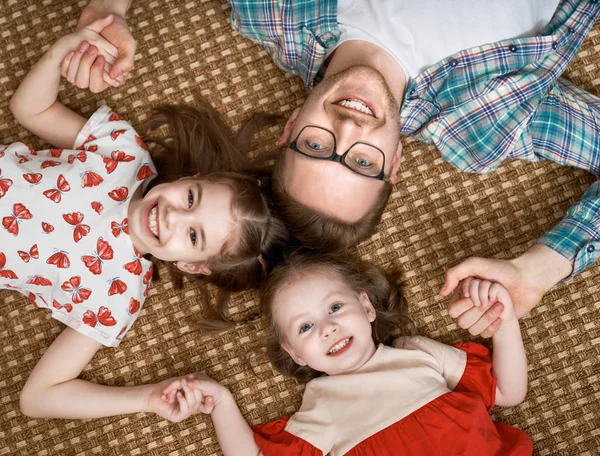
x=527, y=278
x=98, y=74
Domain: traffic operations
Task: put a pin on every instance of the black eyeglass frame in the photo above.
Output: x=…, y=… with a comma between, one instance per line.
x=341, y=159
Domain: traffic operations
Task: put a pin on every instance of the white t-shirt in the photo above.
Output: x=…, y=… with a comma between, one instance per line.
x=64, y=239
x=420, y=33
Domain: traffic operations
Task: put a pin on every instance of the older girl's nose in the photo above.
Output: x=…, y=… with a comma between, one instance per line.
x=328, y=329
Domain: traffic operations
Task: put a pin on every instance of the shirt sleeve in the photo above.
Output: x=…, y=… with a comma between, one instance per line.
x=449, y=361
x=478, y=376
x=274, y=440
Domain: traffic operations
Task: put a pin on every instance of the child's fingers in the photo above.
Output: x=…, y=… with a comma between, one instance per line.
x=484, y=288
x=64, y=66
x=189, y=396
x=474, y=292
x=184, y=408
x=74, y=63
x=208, y=405
x=82, y=78
x=460, y=306
x=489, y=317
x=465, y=286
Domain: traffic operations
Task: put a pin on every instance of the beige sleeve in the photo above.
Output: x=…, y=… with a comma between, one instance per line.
x=450, y=361
x=313, y=421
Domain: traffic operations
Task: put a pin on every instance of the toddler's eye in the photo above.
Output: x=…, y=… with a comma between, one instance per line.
x=334, y=308
x=305, y=327
x=193, y=236
x=190, y=198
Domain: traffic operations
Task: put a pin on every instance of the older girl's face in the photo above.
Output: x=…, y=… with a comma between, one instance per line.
x=325, y=322
x=187, y=221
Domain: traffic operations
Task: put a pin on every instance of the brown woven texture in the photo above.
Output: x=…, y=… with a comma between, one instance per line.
x=436, y=217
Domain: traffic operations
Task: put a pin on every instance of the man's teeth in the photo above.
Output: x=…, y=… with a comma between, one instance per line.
x=357, y=105
x=337, y=347
x=152, y=221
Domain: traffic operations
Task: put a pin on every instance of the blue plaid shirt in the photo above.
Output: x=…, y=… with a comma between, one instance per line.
x=478, y=106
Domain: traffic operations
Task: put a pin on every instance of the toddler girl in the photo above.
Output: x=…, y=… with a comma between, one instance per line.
x=368, y=394
x=79, y=220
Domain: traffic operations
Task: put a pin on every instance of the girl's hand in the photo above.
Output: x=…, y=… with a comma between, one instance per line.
x=89, y=53
x=174, y=400
x=211, y=391
x=476, y=297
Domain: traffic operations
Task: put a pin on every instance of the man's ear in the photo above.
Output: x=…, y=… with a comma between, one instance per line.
x=294, y=354
x=193, y=268
x=287, y=130
x=396, y=164
x=367, y=306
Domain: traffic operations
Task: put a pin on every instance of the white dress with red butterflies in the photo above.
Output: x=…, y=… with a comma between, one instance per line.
x=64, y=240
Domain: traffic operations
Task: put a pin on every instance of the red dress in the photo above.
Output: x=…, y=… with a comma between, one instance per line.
x=455, y=422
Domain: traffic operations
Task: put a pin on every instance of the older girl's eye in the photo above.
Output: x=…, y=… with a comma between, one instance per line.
x=193, y=236
x=334, y=308
x=190, y=198
x=305, y=327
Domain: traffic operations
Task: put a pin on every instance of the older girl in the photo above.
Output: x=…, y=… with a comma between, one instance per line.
x=368, y=394
x=80, y=222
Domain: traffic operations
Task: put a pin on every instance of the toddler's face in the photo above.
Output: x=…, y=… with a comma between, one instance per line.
x=187, y=221
x=325, y=322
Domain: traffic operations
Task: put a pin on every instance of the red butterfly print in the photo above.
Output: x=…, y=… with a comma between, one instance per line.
x=49, y=164
x=32, y=151
x=135, y=267
x=116, y=157
x=117, y=286
x=47, y=227
x=104, y=317
x=81, y=156
x=90, y=179
x=68, y=307
x=117, y=227
x=33, y=253
x=6, y=273
x=33, y=296
x=140, y=143
x=59, y=259
x=39, y=281
x=134, y=306
x=74, y=288
x=2, y=151
x=55, y=194
x=22, y=158
x=103, y=252
x=11, y=222
x=92, y=148
x=79, y=230
x=97, y=206
x=144, y=172
x=147, y=280
x=56, y=152
x=119, y=194
x=116, y=133
x=33, y=178
x=114, y=116
x=4, y=185
x=90, y=138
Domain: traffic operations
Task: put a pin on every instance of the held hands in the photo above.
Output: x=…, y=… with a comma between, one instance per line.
x=476, y=302
x=178, y=398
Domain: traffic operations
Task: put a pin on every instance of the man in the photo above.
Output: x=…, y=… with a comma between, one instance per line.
x=383, y=73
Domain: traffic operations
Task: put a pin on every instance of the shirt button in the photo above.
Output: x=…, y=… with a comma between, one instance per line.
x=412, y=92
x=571, y=30
x=591, y=248
x=512, y=48
x=454, y=63
x=554, y=45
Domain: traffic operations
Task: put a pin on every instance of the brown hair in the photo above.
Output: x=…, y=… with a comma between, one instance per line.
x=195, y=140
x=319, y=231
x=390, y=307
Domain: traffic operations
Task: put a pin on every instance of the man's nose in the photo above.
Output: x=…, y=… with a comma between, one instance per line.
x=347, y=133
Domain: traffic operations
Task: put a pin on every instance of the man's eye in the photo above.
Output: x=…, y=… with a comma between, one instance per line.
x=190, y=198
x=305, y=327
x=334, y=308
x=193, y=237
x=316, y=146
x=363, y=162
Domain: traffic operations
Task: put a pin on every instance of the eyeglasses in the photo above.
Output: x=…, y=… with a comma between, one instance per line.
x=361, y=158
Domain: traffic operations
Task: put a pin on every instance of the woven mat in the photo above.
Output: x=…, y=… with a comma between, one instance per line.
x=436, y=218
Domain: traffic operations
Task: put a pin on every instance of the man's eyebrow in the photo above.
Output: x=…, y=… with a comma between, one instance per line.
x=198, y=200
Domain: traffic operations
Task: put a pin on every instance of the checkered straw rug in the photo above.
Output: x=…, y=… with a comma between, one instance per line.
x=435, y=218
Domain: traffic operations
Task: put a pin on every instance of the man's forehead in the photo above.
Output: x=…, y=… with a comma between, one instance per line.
x=328, y=188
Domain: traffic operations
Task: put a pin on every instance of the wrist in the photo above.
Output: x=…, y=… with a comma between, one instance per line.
x=224, y=400
x=541, y=267
x=97, y=8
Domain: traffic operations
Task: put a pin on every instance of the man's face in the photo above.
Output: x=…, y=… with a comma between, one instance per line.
x=356, y=105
